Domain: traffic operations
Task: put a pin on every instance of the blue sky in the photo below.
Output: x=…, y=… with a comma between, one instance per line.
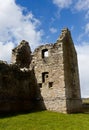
x=41, y=22
x=54, y=17
x=56, y=14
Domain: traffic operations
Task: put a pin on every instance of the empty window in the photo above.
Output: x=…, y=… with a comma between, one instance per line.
x=50, y=84
x=44, y=76
x=40, y=85
x=44, y=53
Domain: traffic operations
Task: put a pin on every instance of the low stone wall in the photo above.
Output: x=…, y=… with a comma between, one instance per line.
x=18, y=88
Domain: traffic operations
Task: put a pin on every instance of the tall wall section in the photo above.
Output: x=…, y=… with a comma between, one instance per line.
x=56, y=70
x=49, y=71
x=71, y=75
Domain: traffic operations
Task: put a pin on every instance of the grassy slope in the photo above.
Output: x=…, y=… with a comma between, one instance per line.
x=45, y=121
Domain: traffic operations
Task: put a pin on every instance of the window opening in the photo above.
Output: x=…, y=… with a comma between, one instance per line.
x=40, y=85
x=44, y=53
x=44, y=77
x=50, y=84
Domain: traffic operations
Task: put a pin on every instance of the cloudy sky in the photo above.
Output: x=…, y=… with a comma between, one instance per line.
x=40, y=22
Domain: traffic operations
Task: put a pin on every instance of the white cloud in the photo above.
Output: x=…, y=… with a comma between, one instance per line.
x=87, y=28
x=15, y=26
x=5, y=51
x=87, y=15
x=53, y=30
x=62, y=3
x=83, y=60
x=82, y=5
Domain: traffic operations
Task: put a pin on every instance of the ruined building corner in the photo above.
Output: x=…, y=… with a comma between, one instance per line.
x=48, y=78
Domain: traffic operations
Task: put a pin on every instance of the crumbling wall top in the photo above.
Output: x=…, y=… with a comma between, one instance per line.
x=65, y=32
x=21, y=55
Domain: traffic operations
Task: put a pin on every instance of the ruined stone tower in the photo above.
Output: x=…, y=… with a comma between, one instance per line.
x=46, y=79
x=56, y=71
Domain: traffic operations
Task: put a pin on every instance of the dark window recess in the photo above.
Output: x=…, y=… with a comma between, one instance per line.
x=50, y=84
x=44, y=53
x=44, y=76
x=60, y=45
x=40, y=85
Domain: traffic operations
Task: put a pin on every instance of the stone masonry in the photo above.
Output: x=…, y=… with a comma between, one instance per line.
x=21, y=55
x=45, y=79
x=56, y=69
x=18, y=89
x=18, y=86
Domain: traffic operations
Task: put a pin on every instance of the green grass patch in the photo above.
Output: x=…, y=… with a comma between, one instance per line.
x=85, y=100
x=45, y=120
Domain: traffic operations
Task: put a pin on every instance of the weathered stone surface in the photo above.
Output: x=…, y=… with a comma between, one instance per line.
x=21, y=55
x=72, y=84
x=46, y=79
x=18, y=89
x=56, y=70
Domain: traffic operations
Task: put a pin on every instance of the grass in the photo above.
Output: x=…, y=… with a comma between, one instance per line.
x=45, y=120
x=85, y=100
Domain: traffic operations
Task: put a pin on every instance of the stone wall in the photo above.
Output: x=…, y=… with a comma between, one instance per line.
x=45, y=79
x=18, y=85
x=56, y=70
x=71, y=75
x=50, y=76
x=18, y=89
x=21, y=55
